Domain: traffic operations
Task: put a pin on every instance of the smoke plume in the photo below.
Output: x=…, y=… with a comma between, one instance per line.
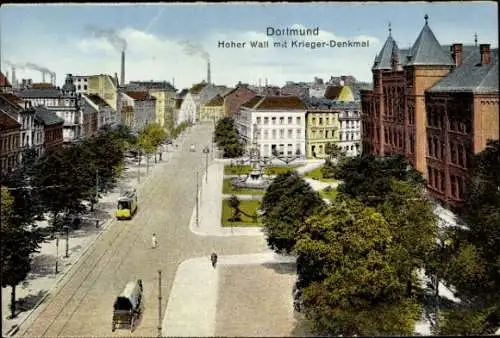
x=111, y=36
x=15, y=65
x=195, y=50
x=34, y=66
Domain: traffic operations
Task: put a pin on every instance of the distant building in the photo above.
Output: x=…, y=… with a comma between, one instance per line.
x=436, y=105
x=188, y=110
x=64, y=102
x=105, y=114
x=301, y=90
x=278, y=122
x=139, y=108
x=106, y=86
x=213, y=110
x=179, y=98
x=235, y=98
x=165, y=94
x=5, y=86
x=207, y=93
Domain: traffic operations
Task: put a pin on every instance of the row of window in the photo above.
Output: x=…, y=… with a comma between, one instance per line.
x=9, y=143
x=437, y=180
x=350, y=124
x=459, y=155
x=280, y=149
x=265, y=133
x=393, y=137
x=274, y=120
x=349, y=136
x=79, y=87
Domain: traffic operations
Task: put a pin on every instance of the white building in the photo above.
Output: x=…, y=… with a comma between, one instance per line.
x=105, y=114
x=277, y=122
x=350, y=128
x=64, y=102
x=191, y=103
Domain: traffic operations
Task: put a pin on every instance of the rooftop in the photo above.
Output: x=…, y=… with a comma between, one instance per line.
x=7, y=121
x=155, y=85
x=96, y=99
x=196, y=89
x=39, y=93
x=48, y=117
x=275, y=103
x=139, y=95
x=321, y=103
x=471, y=75
x=217, y=101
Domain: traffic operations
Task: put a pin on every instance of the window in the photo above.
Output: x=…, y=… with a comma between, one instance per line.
x=442, y=188
x=274, y=134
x=299, y=132
x=290, y=132
x=313, y=121
x=258, y=120
x=282, y=133
x=85, y=87
x=79, y=87
x=320, y=121
x=326, y=134
x=273, y=120
x=297, y=119
x=453, y=183
x=327, y=120
x=282, y=120
x=453, y=153
x=266, y=134
x=461, y=155
x=289, y=150
x=289, y=120
x=266, y=120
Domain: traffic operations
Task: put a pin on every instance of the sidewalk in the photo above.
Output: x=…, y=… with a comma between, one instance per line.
x=195, y=290
x=42, y=279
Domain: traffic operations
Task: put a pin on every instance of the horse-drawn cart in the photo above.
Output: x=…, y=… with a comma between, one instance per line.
x=127, y=307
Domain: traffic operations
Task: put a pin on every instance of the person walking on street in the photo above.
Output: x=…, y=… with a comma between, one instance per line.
x=154, y=242
x=213, y=258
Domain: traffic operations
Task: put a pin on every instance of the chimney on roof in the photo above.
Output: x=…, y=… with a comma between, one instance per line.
x=484, y=49
x=122, y=78
x=456, y=52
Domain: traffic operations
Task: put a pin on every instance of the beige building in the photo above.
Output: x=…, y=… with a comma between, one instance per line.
x=322, y=127
x=213, y=110
x=103, y=85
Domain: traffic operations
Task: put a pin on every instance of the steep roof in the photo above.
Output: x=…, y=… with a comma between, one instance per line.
x=275, y=103
x=427, y=51
x=217, y=101
x=317, y=103
x=332, y=92
x=4, y=82
x=48, y=117
x=196, y=89
x=7, y=121
x=384, y=59
x=182, y=93
x=96, y=99
x=471, y=75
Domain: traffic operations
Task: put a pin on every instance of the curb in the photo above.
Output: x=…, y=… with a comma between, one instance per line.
x=105, y=227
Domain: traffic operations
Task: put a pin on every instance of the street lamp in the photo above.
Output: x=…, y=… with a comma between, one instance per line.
x=66, y=229
x=206, y=151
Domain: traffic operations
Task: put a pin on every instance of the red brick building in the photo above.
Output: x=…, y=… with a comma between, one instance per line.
x=435, y=104
x=10, y=148
x=236, y=97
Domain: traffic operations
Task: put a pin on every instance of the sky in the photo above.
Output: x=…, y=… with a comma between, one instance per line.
x=171, y=42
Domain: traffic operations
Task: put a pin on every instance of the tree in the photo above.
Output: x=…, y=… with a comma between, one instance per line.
x=333, y=150
x=156, y=135
x=17, y=245
x=346, y=270
x=413, y=225
x=474, y=266
x=369, y=178
x=234, y=203
x=226, y=137
x=288, y=201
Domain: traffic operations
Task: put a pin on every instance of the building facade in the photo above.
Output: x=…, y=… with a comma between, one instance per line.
x=139, y=108
x=322, y=127
x=350, y=128
x=53, y=129
x=190, y=104
x=277, y=122
x=105, y=114
x=213, y=110
x=106, y=86
x=164, y=93
x=64, y=102
x=10, y=133
x=436, y=105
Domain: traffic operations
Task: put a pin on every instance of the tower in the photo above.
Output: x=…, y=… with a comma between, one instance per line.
x=209, y=78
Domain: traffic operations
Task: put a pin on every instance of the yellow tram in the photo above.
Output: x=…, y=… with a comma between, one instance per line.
x=127, y=205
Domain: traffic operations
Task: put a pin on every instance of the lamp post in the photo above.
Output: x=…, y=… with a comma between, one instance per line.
x=57, y=254
x=206, y=151
x=66, y=229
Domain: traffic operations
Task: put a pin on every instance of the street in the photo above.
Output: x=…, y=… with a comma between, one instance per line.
x=82, y=304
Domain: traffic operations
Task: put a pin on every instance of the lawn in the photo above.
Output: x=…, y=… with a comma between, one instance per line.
x=317, y=175
x=330, y=195
x=248, y=207
x=246, y=169
x=227, y=189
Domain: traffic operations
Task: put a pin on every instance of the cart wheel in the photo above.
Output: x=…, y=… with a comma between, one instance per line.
x=113, y=327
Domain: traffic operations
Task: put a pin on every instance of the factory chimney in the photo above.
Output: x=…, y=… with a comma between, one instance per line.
x=208, y=73
x=266, y=82
x=43, y=77
x=14, y=77
x=173, y=82
x=122, y=79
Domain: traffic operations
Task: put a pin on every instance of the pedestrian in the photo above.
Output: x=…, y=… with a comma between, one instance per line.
x=213, y=258
x=154, y=242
